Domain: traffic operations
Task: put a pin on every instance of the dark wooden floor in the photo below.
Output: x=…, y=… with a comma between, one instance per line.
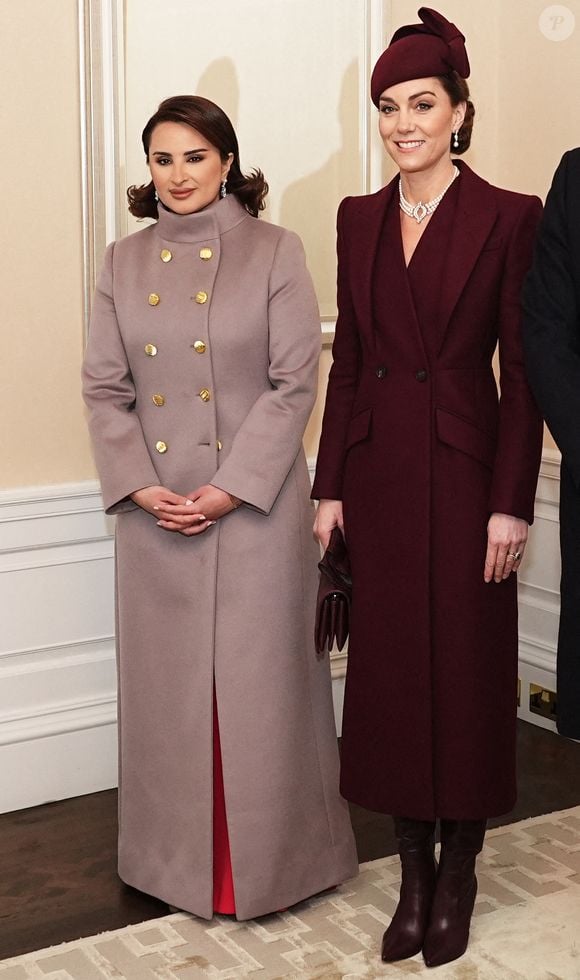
x=57, y=862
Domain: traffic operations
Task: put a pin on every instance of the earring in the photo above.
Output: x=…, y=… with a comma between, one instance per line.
x=456, y=140
x=156, y=196
x=223, y=190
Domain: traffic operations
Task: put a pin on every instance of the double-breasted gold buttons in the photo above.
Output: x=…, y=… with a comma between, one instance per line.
x=219, y=445
x=154, y=299
x=199, y=347
x=161, y=446
x=165, y=255
x=205, y=394
x=158, y=400
x=201, y=297
x=150, y=350
x=205, y=253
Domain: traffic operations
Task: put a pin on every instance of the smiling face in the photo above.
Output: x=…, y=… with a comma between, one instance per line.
x=416, y=121
x=187, y=169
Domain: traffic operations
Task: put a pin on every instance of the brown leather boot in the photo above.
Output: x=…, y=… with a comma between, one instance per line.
x=404, y=937
x=448, y=932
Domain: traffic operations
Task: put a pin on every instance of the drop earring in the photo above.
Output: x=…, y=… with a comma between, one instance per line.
x=223, y=190
x=456, y=140
x=156, y=196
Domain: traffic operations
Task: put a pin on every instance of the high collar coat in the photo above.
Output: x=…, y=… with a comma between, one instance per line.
x=552, y=344
x=201, y=367
x=421, y=452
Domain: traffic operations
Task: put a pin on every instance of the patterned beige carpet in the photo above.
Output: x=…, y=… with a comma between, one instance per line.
x=526, y=927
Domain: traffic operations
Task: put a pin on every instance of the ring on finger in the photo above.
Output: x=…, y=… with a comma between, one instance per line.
x=514, y=555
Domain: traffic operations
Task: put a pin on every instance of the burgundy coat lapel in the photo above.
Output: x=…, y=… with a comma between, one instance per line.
x=369, y=224
x=475, y=217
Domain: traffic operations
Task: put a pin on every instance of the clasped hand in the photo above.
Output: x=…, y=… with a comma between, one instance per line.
x=191, y=514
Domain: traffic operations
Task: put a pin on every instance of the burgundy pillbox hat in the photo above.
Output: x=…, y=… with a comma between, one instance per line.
x=435, y=47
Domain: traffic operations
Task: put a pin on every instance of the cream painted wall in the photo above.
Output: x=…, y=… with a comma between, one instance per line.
x=296, y=113
x=524, y=86
x=43, y=436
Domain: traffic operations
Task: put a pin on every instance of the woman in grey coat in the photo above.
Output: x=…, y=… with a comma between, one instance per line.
x=199, y=376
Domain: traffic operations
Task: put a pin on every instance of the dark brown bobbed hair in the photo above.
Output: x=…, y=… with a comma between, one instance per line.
x=208, y=119
x=458, y=91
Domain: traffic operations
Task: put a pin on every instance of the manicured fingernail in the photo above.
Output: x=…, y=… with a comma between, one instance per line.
x=188, y=502
x=159, y=523
x=155, y=507
x=211, y=523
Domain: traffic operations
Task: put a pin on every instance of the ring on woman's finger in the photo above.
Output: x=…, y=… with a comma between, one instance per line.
x=514, y=555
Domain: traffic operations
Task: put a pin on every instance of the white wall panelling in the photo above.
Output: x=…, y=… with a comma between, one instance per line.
x=57, y=660
x=539, y=594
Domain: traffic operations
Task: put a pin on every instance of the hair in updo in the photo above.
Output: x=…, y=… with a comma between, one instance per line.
x=208, y=119
x=458, y=91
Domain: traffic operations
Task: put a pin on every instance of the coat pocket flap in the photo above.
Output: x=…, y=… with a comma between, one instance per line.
x=465, y=436
x=358, y=428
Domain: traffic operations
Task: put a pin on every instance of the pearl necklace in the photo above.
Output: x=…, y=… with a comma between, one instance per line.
x=420, y=211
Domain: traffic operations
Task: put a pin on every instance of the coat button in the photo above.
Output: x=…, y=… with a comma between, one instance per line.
x=219, y=445
x=199, y=347
x=153, y=299
x=165, y=255
x=161, y=447
x=201, y=297
x=421, y=375
x=381, y=371
x=150, y=350
x=205, y=254
x=158, y=400
x=205, y=394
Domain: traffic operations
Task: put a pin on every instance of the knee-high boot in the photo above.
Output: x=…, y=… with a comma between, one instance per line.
x=448, y=932
x=416, y=841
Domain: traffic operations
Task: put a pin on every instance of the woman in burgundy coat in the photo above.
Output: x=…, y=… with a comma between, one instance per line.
x=432, y=478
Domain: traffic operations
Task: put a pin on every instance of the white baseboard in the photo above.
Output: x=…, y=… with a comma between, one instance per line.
x=57, y=651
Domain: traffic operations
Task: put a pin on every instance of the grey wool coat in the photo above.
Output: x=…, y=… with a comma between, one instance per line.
x=214, y=314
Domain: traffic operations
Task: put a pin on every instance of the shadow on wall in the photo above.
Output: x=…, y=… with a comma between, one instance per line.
x=309, y=205
x=219, y=82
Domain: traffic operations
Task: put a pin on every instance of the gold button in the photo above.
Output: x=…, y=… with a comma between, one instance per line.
x=161, y=447
x=158, y=400
x=153, y=299
x=199, y=347
x=165, y=255
x=150, y=349
x=201, y=297
x=219, y=445
x=205, y=394
x=205, y=254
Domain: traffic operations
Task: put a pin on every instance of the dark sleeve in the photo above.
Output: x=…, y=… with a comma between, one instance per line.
x=552, y=317
x=519, y=448
x=342, y=381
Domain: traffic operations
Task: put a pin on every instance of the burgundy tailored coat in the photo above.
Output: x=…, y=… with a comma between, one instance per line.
x=421, y=451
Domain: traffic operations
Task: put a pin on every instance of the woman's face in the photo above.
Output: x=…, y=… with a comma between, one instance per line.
x=186, y=169
x=416, y=120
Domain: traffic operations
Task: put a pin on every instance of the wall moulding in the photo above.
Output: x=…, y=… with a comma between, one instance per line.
x=57, y=650
x=112, y=78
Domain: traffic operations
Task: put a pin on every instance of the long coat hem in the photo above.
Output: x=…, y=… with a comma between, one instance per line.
x=336, y=867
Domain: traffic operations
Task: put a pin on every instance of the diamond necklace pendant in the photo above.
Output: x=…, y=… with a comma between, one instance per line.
x=420, y=212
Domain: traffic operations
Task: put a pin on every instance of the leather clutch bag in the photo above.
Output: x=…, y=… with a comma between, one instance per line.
x=334, y=595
